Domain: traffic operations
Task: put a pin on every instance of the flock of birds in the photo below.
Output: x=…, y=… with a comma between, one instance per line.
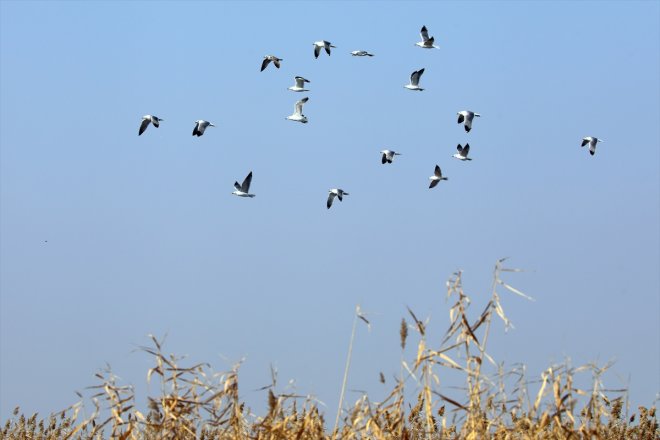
x=465, y=117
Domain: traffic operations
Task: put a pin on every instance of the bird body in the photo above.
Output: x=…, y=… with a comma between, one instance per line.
x=592, y=141
x=146, y=120
x=388, y=156
x=318, y=45
x=299, y=86
x=427, y=42
x=414, y=80
x=243, y=190
x=200, y=127
x=466, y=116
x=436, y=177
x=361, y=53
x=462, y=152
x=335, y=192
x=268, y=59
x=297, y=113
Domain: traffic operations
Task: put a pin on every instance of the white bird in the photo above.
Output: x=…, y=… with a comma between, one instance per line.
x=297, y=113
x=436, y=177
x=592, y=141
x=388, y=156
x=361, y=53
x=200, y=127
x=300, y=85
x=462, y=152
x=414, y=80
x=426, y=43
x=318, y=45
x=243, y=190
x=467, y=117
x=146, y=119
x=268, y=59
x=335, y=192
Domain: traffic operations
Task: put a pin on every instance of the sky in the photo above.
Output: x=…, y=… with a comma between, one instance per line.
x=106, y=237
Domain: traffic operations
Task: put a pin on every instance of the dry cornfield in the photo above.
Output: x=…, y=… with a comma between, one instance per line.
x=195, y=403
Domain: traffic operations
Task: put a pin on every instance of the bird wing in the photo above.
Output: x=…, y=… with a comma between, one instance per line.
x=433, y=183
x=143, y=126
x=201, y=127
x=437, y=172
x=317, y=51
x=237, y=186
x=245, y=187
x=459, y=148
x=585, y=141
x=299, y=105
x=466, y=150
x=424, y=34
x=326, y=44
x=155, y=121
x=331, y=197
x=340, y=195
x=264, y=64
x=415, y=76
x=384, y=159
x=196, y=131
x=461, y=118
x=468, y=124
x=300, y=82
x=277, y=63
x=592, y=147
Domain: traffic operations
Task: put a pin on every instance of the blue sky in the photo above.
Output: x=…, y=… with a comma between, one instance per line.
x=143, y=234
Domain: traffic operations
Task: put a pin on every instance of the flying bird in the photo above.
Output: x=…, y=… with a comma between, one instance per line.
x=467, y=117
x=361, y=53
x=592, y=141
x=388, y=156
x=335, y=192
x=297, y=113
x=426, y=43
x=200, y=127
x=299, y=86
x=268, y=59
x=318, y=45
x=243, y=190
x=146, y=119
x=462, y=152
x=436, y=177
x=414, y=80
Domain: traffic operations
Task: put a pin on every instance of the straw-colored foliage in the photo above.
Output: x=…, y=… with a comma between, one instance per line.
x=194, y=403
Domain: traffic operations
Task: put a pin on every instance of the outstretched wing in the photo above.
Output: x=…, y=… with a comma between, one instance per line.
x=196, y=131
x=264, y=64
x=466, y=150
x=437, y=172
x=156, y=121
x=459, y=148
x=317, y=51
x=299, y=105
x=415, y=76
x=433, y=183
x=424, y=34
x=277, y=63
x=340, y=195
x=143, y=126
x=331, y=197
x=326, y=44
x=461, y=118
x=245, y=187
x=384, y=159
x=592, y=147
x=585, y=141
x=300, y=82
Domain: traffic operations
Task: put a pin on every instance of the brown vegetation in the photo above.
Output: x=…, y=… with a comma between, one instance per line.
x=196, y=404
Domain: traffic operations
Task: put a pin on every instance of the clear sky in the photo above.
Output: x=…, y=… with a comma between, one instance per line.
x=107, y=236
